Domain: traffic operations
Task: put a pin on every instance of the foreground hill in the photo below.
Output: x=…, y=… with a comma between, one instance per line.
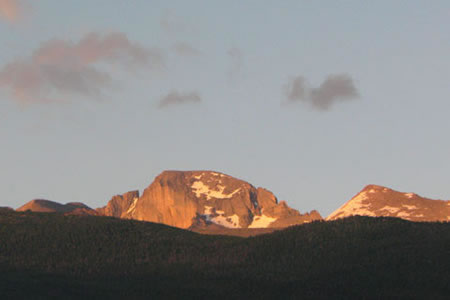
x=379, y=201
x=52, y=255
x=202, y=198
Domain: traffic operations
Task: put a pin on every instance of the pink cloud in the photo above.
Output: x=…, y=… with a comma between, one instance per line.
x=10, y=9
x=61, y=68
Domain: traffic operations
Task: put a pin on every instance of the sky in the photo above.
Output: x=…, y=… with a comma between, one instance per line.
x=312, y=100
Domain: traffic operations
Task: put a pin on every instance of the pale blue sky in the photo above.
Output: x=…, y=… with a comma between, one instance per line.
x=87, y=148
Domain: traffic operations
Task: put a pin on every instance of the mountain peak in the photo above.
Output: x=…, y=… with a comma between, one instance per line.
x=375, y=201
x=184, y=198
x=42, y=205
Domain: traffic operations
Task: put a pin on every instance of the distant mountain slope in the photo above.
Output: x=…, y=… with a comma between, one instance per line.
x=41, y=205
x=120, y=205
x=72, y=257
x=377, y=201
x=186, y=198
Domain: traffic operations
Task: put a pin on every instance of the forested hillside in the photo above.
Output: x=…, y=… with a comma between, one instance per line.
x=48, y=254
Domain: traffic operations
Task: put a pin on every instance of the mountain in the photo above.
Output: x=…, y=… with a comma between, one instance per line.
x=41, y=205
x=379, y=201
x=120, y=205
x=192, y=198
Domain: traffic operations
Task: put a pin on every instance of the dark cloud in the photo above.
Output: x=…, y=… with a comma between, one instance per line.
x=297, y=89
x=176, y=98
x=61, y=68
x=335, y=89
x=185, y=49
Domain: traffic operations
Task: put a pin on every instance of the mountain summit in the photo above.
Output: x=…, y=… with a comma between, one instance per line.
x=42, y=205
x=379, y=201
x=186, y=198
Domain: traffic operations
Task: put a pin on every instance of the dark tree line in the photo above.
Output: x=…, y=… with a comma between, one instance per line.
x=87, y=256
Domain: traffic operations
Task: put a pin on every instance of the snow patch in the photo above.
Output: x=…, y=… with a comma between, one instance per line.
x=199, y=188
x=219, y=218
x=390, y=209
x=208, y=211
x=229, y=222
x=132, y=206
x=262, y=221
x=410, y=206
x=403, y=214
x=355, y=206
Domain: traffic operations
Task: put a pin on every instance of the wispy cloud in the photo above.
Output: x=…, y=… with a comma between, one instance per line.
x=176, y=98
x=61, y=68
x=334, y=89
x=10, y=10
x=185, y=49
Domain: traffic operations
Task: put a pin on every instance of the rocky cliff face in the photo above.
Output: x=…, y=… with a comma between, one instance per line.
x=186, y=198
x=120, y=205
x=377, y=201
x=41, y=205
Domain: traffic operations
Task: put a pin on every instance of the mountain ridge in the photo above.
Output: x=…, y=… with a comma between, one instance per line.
x=183, y=198
x=43, y=205
x=379, y=201
x=210, y=201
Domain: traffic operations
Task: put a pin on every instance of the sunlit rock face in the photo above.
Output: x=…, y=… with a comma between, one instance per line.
x=378, y=201
x=184, y=198
x=73, y=208
x=120, y=205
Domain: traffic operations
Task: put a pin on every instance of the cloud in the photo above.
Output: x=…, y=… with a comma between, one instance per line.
x=184, y=49
x=10, y=10
x=176, y=98
x=60, y=68
x=237, y=61
x=297, y=89
x=334, y=89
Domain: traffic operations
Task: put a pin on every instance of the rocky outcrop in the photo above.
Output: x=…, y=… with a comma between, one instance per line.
x=41, y=205
x=186, y=198
x=120, y=205
x=378, y=201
